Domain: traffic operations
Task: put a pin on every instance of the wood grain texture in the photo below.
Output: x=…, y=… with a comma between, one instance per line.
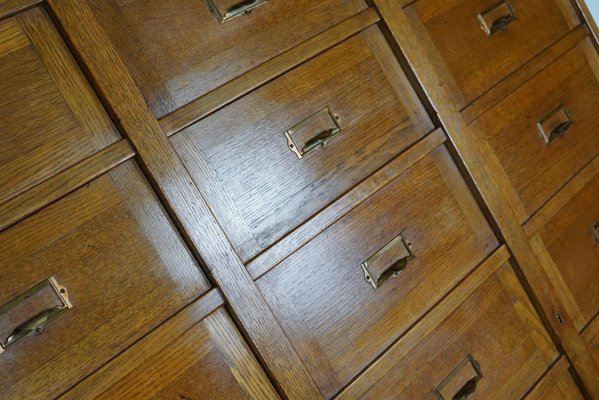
x=256, y=77
x=180, y=50
x=591, y=337
x=334, y=318
x=64, y=183
x=350, y=200
x=113, y=247
x=485, y=169
x=50, y=117
x=537, y=170
x=178, y=191
x=513, y=352
x=198, y=354
x=259, y=204
x=558, y=384
x=10, y=7
x=478, y=62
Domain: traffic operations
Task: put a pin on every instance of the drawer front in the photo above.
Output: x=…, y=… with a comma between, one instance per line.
x=472, y=352
x=545, y=131
x=478, y=59
x=571, y=238
x=205, y=359
x=49, y=115
x=178, y=50
x=122, y=264
x=241, y=157
x=337, y=321
x=558, y=384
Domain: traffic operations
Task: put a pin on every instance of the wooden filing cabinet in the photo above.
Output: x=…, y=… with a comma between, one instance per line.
x=302, y=200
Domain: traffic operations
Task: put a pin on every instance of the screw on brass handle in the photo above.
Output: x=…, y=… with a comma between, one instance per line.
x=243, y=8
x=466, y=390
x=497, y=18
x=555, y=124
x=37, y=324
x=388, y=262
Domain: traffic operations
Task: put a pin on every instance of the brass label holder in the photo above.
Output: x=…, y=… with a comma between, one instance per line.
x=461, y=382
x=497, y=18
x=307, y=126
x=37, y=324
x=388, y=262
x=243, y=8
x=555, y=124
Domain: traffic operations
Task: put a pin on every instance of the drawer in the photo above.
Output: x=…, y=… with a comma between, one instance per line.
x=476, y=59
x=591, y=337
x=569, y=244
x=122, y=266
x=243, y=158
x=49, y=115
x=558, y=384
x=485, y=342
x=424, y=227
x=545, y=131
x=186, y=358
x=178, y=50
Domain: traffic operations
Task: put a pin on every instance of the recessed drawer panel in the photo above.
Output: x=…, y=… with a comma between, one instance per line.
x=483, y=41
x=83, y=279
x=571, y=239
x=546, y=131
x=185, y=358
x=558, y=384
x=274, y=158
x=49, y=115
x=179, y=50
x=491, y=345
x=413, y=240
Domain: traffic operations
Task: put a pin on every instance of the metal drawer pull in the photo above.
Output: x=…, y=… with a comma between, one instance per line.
x=388, y=262
x=555, y=124
x=497, y=18
x=37, y=324
x=243, y=8
x=310, y=125
x=467, y=371
x=596, y=232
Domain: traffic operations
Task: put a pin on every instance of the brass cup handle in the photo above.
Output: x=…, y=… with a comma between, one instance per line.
x=555, y=124
x=595, y=230
x=321, y=139
x=388, y=262
x=37, y=324
x=497, y=18
x=243, y=8
x=468, y=370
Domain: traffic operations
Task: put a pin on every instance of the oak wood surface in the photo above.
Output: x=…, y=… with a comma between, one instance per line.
x=10, y=7
x=335, y=319
x=478, y=62
x=126, y=270
x=494, y=187
x=178, y=51
x=591, y=337
x=198, y=354
x=558, y=384
x=513, y=352
x=178, y=192
x=256, y=186
x=536, y=169
x=50, y=117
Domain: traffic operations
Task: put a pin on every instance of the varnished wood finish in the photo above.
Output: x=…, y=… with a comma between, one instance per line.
x=591, y=337
x=10, y=7
x=257, y=205
x=178, y=51
x=492, y=182
x=234, y=89
x=125, y=267
x=556, y=385
x=64, y=183
x=178, y=191
x=49, y=115
x=475, y=62
x=513, y=351
x=536, y=169
x=570, y=252
x=334, y=318
x=198, y=354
